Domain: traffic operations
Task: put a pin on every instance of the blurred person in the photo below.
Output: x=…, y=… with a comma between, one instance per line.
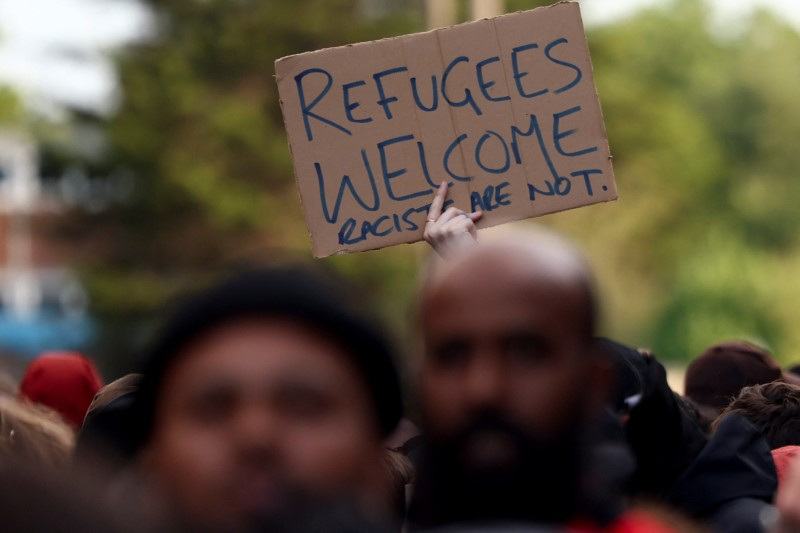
x=33, y=435
x=63, y=381
x=717, y=376
x=732, y=481
x=404, y=432
x=107, y=437
x=8, y=386
x=784, y=457
x=400, y=478
x=694, y=412
x=39, y=490
x=510, y=388
x=628, y=376
x=773, y=408
x=56, y=501
x=264, y=403
x=787, y=502
x=660, y=428
x=726, y=482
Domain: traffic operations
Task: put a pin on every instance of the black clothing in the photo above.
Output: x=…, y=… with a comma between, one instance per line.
x=731, y=481
x=663, y=435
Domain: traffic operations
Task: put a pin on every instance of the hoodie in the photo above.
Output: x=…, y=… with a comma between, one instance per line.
x=730, y=482
x=661, y=432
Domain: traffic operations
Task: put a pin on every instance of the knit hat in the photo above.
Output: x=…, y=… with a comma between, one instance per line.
x=720, y=373
x=63, y=381
x=287, y=293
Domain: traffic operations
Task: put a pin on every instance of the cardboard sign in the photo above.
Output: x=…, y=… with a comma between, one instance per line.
x=504, y=109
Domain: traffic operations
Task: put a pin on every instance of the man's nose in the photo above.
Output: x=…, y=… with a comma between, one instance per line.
x=485, y=381
x=256, y=425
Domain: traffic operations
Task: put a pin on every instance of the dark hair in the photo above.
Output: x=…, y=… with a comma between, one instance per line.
x=307, y=296
x=703, y=415
x=773, y=408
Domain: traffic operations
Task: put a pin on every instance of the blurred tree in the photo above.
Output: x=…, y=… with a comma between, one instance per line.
x=201, y=133
x=703, y=124
x=11, y=110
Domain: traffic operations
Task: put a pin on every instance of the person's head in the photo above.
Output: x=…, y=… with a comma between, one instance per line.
x=715, y=377
x=63, y=381
x=509, y=374
x=34, y=435
x=629, y=371
x=773, y=408
x=107, y=436
x=264, y=392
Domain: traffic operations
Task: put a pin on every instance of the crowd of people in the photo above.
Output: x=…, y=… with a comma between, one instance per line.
x=273, y=401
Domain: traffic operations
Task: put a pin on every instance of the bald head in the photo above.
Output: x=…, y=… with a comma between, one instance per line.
x=541, y=265
x=507, y=327
x=509, y=378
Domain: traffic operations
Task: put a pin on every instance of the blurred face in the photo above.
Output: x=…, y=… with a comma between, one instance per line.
x=504, y=354
x=256, y=414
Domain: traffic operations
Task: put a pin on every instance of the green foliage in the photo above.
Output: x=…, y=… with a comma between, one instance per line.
x=11, y=111
x=701, y=246
x=703, y=128
x=201, y=131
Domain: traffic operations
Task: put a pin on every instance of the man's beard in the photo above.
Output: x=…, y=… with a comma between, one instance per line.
x=492, y=470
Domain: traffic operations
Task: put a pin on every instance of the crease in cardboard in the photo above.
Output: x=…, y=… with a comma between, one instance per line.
x=451, y=116
x=511, y=105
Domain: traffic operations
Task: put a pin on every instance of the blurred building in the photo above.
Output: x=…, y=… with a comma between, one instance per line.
x=43, y=305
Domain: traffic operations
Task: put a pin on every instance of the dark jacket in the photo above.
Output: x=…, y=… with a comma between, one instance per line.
x=663, y=436
x=730, y=482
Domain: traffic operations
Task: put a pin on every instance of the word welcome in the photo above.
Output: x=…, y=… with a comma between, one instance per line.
x=371, y=197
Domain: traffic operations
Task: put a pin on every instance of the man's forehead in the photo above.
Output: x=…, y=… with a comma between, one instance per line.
x=263, y=356
x=260, y=343
x=532, y=260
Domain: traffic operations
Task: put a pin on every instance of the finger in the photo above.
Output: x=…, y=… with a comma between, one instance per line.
x=448, y=215
x=476, y=216
x=473, y=230
x=435, y=210
x=449, y=226
x=461, y=223
x=458, y=225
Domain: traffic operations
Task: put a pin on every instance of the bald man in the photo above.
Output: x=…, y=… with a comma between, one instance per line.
x=508, y=383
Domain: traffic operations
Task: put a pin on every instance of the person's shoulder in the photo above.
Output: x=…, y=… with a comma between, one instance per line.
x=743, y=515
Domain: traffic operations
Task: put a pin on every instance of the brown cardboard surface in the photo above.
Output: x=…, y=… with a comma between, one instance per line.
x=505, y=109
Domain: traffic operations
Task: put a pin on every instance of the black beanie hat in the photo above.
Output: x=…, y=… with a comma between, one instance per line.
x=289, y=293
